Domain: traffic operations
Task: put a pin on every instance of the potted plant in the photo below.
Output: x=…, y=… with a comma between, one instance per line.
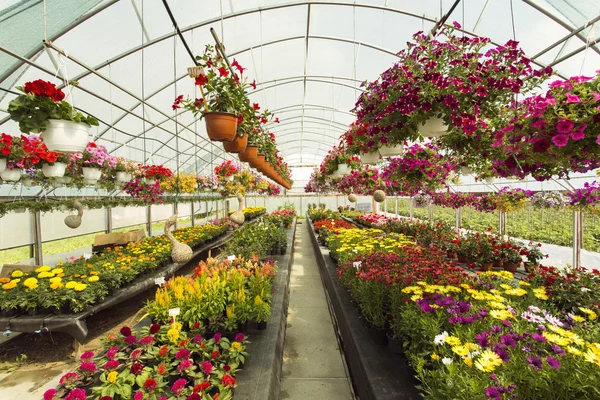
x=534, y=256
x=92, y=161
x=54, y=164
x=222, y=95
x=41, y=108
x=123, y=170
x=512, y=257
x=155, y=173
x=16, y=154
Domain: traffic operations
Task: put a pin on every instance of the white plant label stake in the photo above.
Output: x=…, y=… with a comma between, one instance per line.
x=173, y=312
x=230, y=258
x=159, y=281
x=357, y=264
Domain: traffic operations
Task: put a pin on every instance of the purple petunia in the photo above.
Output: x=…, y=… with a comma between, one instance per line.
x=535, y=362
x=552, y=362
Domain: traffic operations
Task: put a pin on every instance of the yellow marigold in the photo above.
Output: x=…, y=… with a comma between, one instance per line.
x=112, y=376
x=4, y=280
x=43, y=268
x=70, y=284
x=56, y=285
x=236, y=346
x=80, y=287
x=17, y=274
x=56, y=279
x=57, y=271
x=45, y=274
x=452, y=341
x=16, y=280
x=9, y=285
x=93, y=278
x=31, y=283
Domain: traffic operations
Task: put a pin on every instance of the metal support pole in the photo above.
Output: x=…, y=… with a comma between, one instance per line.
x=502, y=224
x=193, y=214
x=37, y=238
x=430, y=209
x=149, y=220
x=108, y=219
x=577, y=238
x=458, y=219
x=175, y=210
x=411, y=214
x=217, y=209
x=396, y=205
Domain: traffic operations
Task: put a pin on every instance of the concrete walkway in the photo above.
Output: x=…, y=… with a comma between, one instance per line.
x=313, y=367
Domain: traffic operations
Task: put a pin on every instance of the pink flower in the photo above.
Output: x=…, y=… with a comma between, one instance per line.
x=598, y=140
x=578, y=133
x=138, y=396
x=596, y=96
x=178, y=386
x=76, y=394
x=560, y=140
x=185, y=364
x=49, y=394
x=111, y=364
x=565, y=126
x=571, y=98
x=87, y=356
x=88, y=367
x=68, y=378
x=207, y=367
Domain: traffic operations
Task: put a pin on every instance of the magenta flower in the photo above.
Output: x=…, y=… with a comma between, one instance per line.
x=49, y=394
x=535, y=362
x=69, y=378
x=76, y=394
x=87, y=356
x=207, y=367
x=185, y=364
x=182, y=354
x=88, y=367
x=178, y=386
x=573, y=98
x=565, y=126
x=560, y=140
x=552, y=362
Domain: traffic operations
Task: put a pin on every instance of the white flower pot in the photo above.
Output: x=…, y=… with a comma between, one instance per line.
x=150, y=181
x=335, y=175
x=66, y=136
x=466, y=170
x=63, y=179
x=26, y=182
x=229, y=178
x=11, y=175
x=90, y=182
x=489, y=179
x=344, y=169
x=54, y=171
x=123, y=177
x=2, y=164
x=434, y=127
x=57, y=185
x=369, y=158
x=92, y=173
x=63, y=208
x=393, y=150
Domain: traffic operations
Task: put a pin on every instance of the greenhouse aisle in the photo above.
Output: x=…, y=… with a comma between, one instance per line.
x=313, y=366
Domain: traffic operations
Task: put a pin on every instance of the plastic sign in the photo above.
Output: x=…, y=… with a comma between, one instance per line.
x=87, y=256
x=357, y=264
x=173, y=312
x=159, y=281
x=356, y=251
x=230, y=258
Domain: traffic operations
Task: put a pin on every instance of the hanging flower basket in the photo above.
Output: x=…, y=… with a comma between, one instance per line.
x=90, y=182
x=466, y=170
x=91, y=173
x=11, y=175
x=391, y=150
x=434, y=127
x=55, y=170
x=65, y=136
x=249, y=154
x=237, y=145
x=2, y=164
x=335, y=175
x=489, y=179
x=370, y=158
x=63, y=179
x=344, y=169
x=123, y=177
x=220, y=126
x=26, y=182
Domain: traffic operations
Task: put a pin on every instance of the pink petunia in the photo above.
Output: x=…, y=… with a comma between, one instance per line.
x=560, y=140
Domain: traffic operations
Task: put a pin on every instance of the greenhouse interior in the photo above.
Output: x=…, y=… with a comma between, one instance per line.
x=263, y=200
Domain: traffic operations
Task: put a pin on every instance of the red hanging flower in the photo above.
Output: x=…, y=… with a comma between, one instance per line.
x=201, y=80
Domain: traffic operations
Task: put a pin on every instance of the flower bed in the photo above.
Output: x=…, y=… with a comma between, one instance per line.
x=331, y=224
x=221, y=295
x=157, y=362
x=72, y=287
x=286, y=217
x=251, y=212
x=260, y=239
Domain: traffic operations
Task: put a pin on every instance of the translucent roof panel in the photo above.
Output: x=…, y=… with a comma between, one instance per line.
x=308, y=59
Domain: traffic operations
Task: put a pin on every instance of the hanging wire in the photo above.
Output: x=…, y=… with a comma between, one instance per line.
x=512, y=19
x=222, y=29
x=177, y=182
x=144, y=157
x=588, y=41
x=45, y=21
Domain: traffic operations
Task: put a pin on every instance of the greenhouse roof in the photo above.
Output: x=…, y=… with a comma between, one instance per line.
x=308, y=58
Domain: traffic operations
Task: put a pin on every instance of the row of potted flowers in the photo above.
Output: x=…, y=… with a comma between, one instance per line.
x=72, y=286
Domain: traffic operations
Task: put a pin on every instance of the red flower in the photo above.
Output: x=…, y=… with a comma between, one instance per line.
x=201, y=80
x=253, y=84
x=215, y=354
x=223, y=71
x=154, y=328
x=162, y=368
x=163, y=351
x=6, y=150
x=228, y=380
x=237, y=66
x=201, y=387
x=136, y=368
x=256, y=106
x=150, y=384
x=125, y=331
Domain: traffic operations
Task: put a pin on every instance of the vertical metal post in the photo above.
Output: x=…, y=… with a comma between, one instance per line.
x=577, y=237
x=37, y=238
x=175, y=210
x=502, y=224
x=149, y=220
x=411, y=214
x=301, y=213
x=458, y=219
x=108, y=219
x=193, y=214
x=396, y=205
x=217, y=210
x=430, y=209
x=337, y=201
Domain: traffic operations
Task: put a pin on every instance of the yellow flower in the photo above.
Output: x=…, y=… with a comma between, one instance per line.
x=57, y=271
x=472, y=346
x=556, y=339
x=236, y=346
x=93, y=278
x=43, y=268
x=415, y=297
x=70, y=284
x=488, y=361
x=574, y=350
x=56, y=279
x=577, y=318
x=45, y=274
x=173, y=335
x=56, y=285
x=112, y=376
x=468, y=361
x=460, y=350
x=258, y=301
x=592, y=356
x=591, y=314
x=9, y=285
x=31, y=283
x=516, y=292
x=435, y=357
x=496, y=304
x=452, y=341
x=80, y=287
x=501, y=314
x=17, y=274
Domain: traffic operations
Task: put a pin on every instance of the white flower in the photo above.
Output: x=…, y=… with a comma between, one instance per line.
x=473, y=354
x=584, y=289
x=440, y=339
x=534, y=309
x=447, y=360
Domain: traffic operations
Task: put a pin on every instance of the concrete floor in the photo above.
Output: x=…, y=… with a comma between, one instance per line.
x=313, y=366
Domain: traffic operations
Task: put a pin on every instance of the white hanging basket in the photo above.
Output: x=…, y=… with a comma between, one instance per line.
x=466, y=170
x=90, y=182
x=344, y=169
x=123, y=177
x=229, y=178
x=54, y=171
x=26, y=182
x=335, y=175
x=489, y=179
x=92, y=173
x=57, y=185
x=434, y=127
x=2, y=164
x=150, y=181
x=66, y=136
x=370, y=158
x=63, y=179
x=392, y=150
x=11, y=175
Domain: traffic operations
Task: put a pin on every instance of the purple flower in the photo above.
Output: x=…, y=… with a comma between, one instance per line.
x=535, y=362
x=538, y=338
x=558, y=350
x=483, y=339
x=503, y=354
x=496, y=329
x=198, y=339
x=217, y=338
x=207, y=367
x=493, y=393
x=508, y=340
x=552, y=362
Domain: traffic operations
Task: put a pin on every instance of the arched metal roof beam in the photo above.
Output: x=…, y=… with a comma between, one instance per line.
x=275, y=129
x=300, y=107
x=297, y=132
x=308, y=80
x=338, y=124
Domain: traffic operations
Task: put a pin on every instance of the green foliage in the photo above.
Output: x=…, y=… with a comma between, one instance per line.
x=260, y=239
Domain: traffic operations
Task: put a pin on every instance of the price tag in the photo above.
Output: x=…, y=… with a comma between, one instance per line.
x=357, y=264
x=159, y=281
x=173, y=312
x=356, y=251
x=230, y=258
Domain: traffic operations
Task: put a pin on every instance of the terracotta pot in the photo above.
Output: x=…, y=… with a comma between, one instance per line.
x=486, y=267
x=249, y=154
x=221, y=127
x=529, y=267
x=497, y=264
x=237, y=145
x=258, y=162
x=462, y=258
x=450, y=255
x=511, y=267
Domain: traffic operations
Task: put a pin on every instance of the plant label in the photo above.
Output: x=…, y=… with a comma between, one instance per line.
x=159, y=281
x=173, y=312
x=356, y=251
x=87, y=256
x=230, y=258
x=357, y=264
